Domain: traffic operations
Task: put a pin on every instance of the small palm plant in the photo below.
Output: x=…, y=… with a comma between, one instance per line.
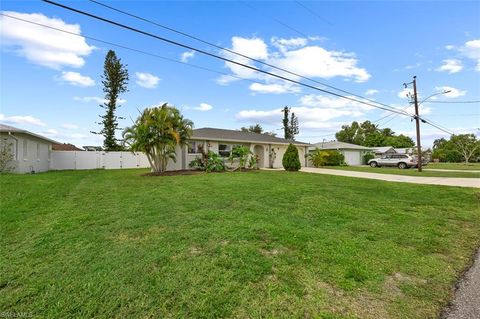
x=157, y=132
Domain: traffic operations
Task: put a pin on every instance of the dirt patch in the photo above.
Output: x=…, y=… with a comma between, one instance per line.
x=273, y=252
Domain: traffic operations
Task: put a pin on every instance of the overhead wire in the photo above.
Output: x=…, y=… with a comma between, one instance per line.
x=118, y=24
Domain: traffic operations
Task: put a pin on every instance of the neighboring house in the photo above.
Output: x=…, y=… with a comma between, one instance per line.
x=65, y=147
x=269, y=149
x=383, y=150
x=31, y=152
x=353, y=153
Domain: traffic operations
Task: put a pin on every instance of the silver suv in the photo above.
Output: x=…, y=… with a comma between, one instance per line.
x=399, y=160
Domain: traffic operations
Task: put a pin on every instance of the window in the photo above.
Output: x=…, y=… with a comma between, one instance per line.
x=38, y=150
x=25, y=149
x=224, y=150
x=195, y=147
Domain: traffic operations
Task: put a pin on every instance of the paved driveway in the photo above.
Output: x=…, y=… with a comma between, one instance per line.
x=446, y=181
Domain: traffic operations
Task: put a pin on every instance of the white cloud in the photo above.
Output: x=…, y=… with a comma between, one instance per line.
x=50, y=132
x=44, y=46
x=187, y=56
x=371, y=92
x=451, y=66
x=322, y=101
x=21, y=119
x=254, y=48
x=292, y=54
x=203, y=107
x=308, y=117
x=69, y=126
x=96, y=99
x=75, y=78
x=147, y=80
x=453, y=91
x=274, y=88
x=314, y=61
x=284, y=44
x=471, y=49
x=449, y=47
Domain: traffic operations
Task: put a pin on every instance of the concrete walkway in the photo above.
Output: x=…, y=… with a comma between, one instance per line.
x=452, y=170
x=446, y=181
x=466, y=301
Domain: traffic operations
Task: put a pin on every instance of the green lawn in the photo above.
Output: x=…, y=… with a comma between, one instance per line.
x=459, y=166
x=410, y=171
x=115, y=244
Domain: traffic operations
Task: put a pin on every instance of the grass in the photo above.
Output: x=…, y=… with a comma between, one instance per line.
x=409, y=172
x=114, y=244
x=459, y=166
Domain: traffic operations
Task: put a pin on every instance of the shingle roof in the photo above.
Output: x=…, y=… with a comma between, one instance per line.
x=11, y=129
x=382, y=149
x=216, y=134
x=340, y=146
x=65, y=147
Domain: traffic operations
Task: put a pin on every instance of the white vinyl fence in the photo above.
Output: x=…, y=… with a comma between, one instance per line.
x=61, y=160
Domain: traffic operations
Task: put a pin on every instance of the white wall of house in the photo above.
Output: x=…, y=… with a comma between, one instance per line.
x=31, y=154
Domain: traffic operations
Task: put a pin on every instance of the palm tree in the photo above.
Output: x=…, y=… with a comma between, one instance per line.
x=157, y=132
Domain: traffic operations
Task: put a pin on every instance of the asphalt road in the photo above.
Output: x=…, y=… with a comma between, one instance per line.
x=466, y=302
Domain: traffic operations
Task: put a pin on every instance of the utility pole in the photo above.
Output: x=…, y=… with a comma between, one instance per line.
x=417, y=122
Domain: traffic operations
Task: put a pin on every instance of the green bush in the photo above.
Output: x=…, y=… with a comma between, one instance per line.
x=241, y=152
x=209, y=162
x=321, y=158
x=367, y=157
x=290, y=160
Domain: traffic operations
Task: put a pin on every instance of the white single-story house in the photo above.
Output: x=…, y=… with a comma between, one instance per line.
x=353, y=153
x=268, y=148
x=383, y=150
x=31, y=152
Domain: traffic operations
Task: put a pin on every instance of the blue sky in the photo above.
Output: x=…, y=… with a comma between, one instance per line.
x=50, y=82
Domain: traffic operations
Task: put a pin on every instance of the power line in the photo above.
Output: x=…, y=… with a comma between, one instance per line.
x=234, y=52
x=276, y=20
x=390, y=109
x=313, y=12
x=128, y=48
x=454, y=102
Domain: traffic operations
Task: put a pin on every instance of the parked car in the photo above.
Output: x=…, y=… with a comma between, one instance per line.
x=397, y=160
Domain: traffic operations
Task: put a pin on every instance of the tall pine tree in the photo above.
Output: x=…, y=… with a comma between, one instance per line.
x=290, y=125
x=114, y=80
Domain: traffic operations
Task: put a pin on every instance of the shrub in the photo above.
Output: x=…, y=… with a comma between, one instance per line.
x=290, y=160
x=6, y=157
x=367, y=157
x=209, y=162
x=321, y=158
x=241, y=152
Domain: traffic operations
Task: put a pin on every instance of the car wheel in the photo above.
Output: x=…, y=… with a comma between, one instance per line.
x=402, y=165
x=373, y=164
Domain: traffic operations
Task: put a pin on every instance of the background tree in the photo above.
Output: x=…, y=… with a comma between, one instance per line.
x=467, y=145
x=114, y=80
x=257, y=128
x=290, y=125
x=368, y=134
x=157, y=132
x=458, y=148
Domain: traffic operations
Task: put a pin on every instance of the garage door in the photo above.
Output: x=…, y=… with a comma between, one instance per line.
x=352, y=157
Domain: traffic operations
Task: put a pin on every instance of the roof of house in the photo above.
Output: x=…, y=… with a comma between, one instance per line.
x=382, y=149
x=65, y=147
x=11, y=129
x=216, y=134
x=334, y=145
